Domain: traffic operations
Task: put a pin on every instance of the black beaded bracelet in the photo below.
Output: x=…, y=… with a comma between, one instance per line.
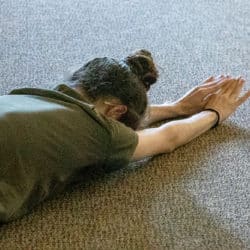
x=218, y=115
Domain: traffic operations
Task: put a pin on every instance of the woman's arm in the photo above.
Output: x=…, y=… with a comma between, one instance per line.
x=160, y=112
x=170, y=136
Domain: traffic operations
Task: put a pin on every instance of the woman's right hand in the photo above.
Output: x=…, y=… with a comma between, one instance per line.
x=228, y=99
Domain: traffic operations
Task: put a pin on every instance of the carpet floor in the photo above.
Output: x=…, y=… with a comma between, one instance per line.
x=194, y=198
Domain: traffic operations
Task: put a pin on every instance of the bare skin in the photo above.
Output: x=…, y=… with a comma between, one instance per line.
x=228, y=99
x=171, y=135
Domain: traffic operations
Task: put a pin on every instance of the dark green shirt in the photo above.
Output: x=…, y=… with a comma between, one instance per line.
x=47, y=138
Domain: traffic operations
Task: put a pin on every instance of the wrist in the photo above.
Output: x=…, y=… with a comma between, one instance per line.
x=180, y=109
x=216, y=116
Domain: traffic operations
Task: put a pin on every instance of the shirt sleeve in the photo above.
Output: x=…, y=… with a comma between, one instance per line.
x=123, y=141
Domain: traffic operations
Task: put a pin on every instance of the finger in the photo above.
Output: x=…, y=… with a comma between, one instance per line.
x=219, y=77
x=213, y=86
x=235, y=87
x=228, y=86
x=211, y=78
x=212, y=89
x=220, y=82
x=243, y=98
x=238, y=87
x=216, y=85
x=215, y=89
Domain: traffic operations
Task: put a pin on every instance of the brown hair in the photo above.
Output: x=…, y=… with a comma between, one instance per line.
x=142, y=65
x=128, y=80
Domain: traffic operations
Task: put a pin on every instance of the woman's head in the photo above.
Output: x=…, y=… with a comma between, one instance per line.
x=109, y=79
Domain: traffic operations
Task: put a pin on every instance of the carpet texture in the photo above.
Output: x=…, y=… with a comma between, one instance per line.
x=194, y=198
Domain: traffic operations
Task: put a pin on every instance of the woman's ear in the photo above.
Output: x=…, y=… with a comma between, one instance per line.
x=117, y=111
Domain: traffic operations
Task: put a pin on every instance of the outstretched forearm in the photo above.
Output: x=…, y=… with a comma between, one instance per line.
x=185, y=130
x=160, y=112
x=171, y=135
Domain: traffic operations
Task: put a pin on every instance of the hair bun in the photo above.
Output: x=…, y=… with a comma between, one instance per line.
x=142, y=65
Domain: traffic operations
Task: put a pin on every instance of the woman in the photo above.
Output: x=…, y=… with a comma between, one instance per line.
x=49, y=137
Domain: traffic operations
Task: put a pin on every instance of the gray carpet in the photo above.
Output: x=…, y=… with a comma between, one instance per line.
x=194, y=198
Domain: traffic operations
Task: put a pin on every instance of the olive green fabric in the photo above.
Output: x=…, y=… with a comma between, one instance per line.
x=47, y=139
